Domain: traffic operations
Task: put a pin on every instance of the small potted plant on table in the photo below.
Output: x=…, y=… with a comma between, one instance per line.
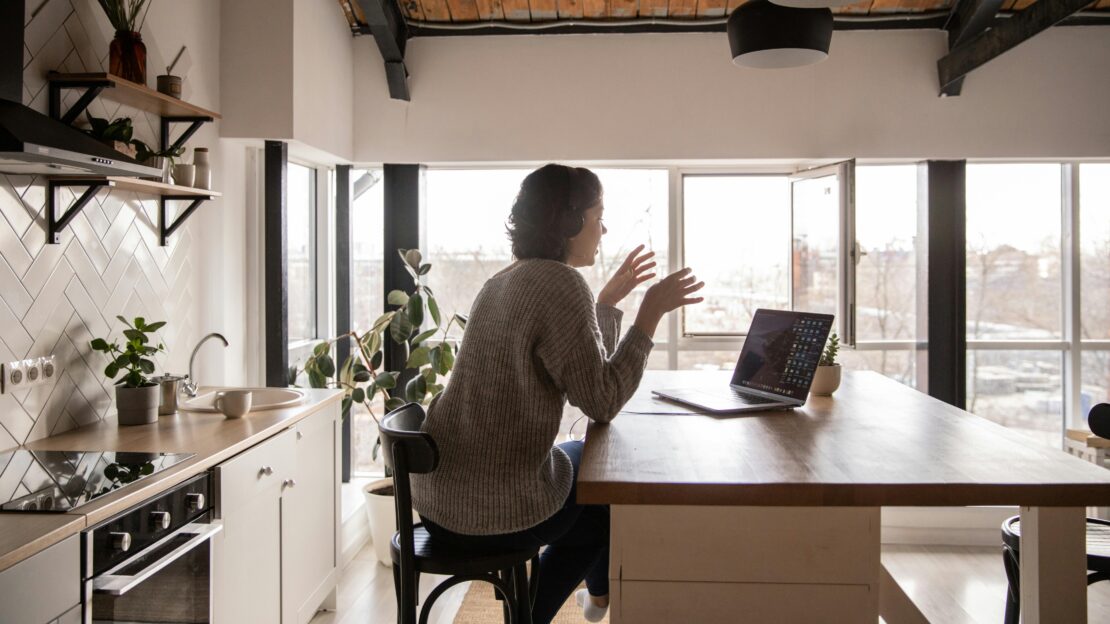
x=136, y=395
x=827, y=378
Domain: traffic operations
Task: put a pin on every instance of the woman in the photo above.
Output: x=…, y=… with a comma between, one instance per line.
x=536, y=339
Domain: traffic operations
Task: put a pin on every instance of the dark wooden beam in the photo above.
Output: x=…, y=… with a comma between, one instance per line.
x=968, y=19
x=343, y=292
x=385, y=22
x=1005, y=36
x=401, y=225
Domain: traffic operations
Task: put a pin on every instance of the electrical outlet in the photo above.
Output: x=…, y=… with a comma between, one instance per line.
x=13, y=376
x=49, y=368
x=32, y=371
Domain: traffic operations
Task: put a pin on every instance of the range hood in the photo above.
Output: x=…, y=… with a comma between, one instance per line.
x=33, y=143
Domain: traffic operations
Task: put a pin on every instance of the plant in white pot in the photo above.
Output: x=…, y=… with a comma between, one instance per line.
x=137, y=395
x=362, y=377
x=827, y=378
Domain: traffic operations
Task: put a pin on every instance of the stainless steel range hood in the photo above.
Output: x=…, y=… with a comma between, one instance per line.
x=33, y=143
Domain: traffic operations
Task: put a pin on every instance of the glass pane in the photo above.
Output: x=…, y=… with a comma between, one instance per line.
x=1021, y=390
x=898, y=364
x=736, y=237
x=1094, y=236
x=1013, y=252
x=301, y=249
x=816, y=243
x=708, y=360
x=466, y=240
x=367, y=300
x=1095, y=380
x=886, y=275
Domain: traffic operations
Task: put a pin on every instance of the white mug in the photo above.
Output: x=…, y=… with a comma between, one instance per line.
x=233, y=403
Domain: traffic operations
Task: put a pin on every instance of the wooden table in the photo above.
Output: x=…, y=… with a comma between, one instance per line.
x=775, y=515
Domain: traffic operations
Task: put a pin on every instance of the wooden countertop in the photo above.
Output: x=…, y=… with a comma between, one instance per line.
x=874, y=443
x=211, y=437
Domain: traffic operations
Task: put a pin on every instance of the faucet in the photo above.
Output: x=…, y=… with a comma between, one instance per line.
x=190, y=385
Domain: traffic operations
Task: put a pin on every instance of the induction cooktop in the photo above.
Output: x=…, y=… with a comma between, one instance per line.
x=60, y=481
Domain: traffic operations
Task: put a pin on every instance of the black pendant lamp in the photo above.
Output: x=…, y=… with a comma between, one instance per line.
x=768, y=36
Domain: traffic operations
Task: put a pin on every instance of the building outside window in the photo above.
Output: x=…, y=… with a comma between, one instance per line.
x=300, y=241
x=367, y=298
x=1094, y=287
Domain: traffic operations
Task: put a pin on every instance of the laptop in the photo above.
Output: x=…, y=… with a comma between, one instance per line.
x=775, y=368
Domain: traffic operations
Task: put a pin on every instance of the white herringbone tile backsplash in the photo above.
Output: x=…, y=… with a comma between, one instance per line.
x=55, y=298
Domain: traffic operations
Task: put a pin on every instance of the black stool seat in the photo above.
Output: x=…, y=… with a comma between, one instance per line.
x=1098, y=541
x=435, y=557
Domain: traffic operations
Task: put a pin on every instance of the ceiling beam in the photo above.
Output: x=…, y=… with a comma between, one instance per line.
x=385, y=22
x=968, y=19
x=984, y=47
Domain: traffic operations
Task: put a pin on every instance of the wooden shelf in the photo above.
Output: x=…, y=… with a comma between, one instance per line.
x=151, y=187
x=132, y=94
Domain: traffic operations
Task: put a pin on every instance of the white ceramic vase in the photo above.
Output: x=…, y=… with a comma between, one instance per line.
x=826, y=380
x=382, y=517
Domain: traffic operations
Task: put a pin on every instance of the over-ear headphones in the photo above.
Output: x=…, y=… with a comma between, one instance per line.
x=572, y=223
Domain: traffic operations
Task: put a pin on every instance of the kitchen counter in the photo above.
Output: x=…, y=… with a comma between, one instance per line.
x=211, y=437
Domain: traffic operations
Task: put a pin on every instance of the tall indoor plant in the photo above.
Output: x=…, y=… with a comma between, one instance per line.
x=127, y=52
x=136, y=394
x=428, y=357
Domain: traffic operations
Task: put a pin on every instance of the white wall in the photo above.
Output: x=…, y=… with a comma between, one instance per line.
x=323, y=90
x=651, y=96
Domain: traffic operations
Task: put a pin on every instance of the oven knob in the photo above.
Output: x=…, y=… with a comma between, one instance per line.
x=120, y=541
x=194, y=502
x=160, y=519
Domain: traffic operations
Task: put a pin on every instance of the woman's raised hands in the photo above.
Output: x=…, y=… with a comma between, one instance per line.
x=670, y=293
x=632, y=272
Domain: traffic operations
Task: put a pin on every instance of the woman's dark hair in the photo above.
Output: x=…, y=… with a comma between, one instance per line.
x=549, y=209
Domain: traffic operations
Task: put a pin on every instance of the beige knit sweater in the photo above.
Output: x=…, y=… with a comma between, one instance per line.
x=534, y=341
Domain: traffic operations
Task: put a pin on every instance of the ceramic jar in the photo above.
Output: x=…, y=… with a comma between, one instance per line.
x=202, y=179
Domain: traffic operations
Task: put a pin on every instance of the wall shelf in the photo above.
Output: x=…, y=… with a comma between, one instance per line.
x=170, y=110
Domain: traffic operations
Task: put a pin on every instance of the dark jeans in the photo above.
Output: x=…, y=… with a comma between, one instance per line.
x=577, y=540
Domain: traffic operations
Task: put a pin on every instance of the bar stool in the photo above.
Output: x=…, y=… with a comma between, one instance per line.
x=407, y=450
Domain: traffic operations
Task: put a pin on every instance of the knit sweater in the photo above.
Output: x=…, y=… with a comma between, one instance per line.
x=535, y=339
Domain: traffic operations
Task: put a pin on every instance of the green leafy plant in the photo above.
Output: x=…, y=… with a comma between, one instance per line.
x=133, y=358
x=145, y=153
x=119, y=129
x=124, y=14
x=832, y=347
x=428, y=354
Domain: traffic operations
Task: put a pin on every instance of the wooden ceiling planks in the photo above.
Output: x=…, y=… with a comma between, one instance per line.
x=570, y=9
x=623, y=9
x=463, y=10
x=411, y=9
x=544, y=10
x=435, y=10
x=733, y=4
x=857, y=8
x=490, y=10
x=683, y=9
x=517, y=10
x=595, y=9
x=653, y=8
x=909, y=6
x=712, y=8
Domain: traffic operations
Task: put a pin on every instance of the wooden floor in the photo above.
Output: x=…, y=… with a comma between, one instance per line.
x=956, y=584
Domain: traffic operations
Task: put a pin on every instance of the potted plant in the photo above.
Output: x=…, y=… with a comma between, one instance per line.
x=136, y=395
x=127, y=52
x=428, y=354
x=827, y=378
x=116, y=134
x=162, y=159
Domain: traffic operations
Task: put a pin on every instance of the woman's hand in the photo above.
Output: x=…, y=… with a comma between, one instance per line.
x=670, y=293
x=632, y=273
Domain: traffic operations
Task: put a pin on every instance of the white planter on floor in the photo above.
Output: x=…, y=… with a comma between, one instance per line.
x=381, y=516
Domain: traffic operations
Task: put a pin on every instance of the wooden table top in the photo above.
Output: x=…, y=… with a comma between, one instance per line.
x=875, y=442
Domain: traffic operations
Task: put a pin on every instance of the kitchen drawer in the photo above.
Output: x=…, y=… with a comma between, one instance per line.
x=252, y=471
x=58, y=568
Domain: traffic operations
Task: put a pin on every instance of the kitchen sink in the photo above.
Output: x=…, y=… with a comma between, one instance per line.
x=261, y=399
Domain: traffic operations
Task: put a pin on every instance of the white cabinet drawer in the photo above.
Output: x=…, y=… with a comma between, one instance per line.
x=252, y=471
x=44, y=586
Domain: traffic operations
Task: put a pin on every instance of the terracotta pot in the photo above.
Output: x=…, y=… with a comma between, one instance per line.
x=127, y=57
x=826, y=380
x=138, y=406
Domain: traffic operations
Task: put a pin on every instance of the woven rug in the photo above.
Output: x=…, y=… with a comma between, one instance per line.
x=480, y=607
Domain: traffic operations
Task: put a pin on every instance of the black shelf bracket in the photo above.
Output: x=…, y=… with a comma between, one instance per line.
x=55, y=224
x=165, y=228
x=194, y=124
x=92, y=89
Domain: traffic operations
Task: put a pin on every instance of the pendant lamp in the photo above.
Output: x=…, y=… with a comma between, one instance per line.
x=813, y=4
x=769, y=36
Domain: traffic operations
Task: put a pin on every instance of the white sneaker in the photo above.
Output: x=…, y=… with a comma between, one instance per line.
x=590, y=611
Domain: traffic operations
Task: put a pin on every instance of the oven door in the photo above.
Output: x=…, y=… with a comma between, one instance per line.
x=170, y=581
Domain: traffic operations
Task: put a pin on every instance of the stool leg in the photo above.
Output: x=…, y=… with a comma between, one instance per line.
x=534, y=580
x=1013, y=589
x=406, y=603
x=521, y=592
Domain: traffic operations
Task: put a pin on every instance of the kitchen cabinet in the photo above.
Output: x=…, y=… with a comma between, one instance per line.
x=276, y=559
x=58, y=569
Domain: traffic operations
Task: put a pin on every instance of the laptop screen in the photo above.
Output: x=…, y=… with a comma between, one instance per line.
x=781, y=352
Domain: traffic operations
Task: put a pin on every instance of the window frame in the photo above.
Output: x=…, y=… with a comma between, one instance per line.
x=322, y=235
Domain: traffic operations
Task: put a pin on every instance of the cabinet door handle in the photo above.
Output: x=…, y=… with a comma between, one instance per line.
x=266, y=471
x=300, y=435
x=289, y=483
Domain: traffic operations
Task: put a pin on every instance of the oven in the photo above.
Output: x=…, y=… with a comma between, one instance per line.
x=153, y=562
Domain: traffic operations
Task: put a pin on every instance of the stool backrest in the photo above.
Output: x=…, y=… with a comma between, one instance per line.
x=406, y=450
x=1098, y=419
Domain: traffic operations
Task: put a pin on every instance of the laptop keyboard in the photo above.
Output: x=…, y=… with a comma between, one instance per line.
x=748, y=399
